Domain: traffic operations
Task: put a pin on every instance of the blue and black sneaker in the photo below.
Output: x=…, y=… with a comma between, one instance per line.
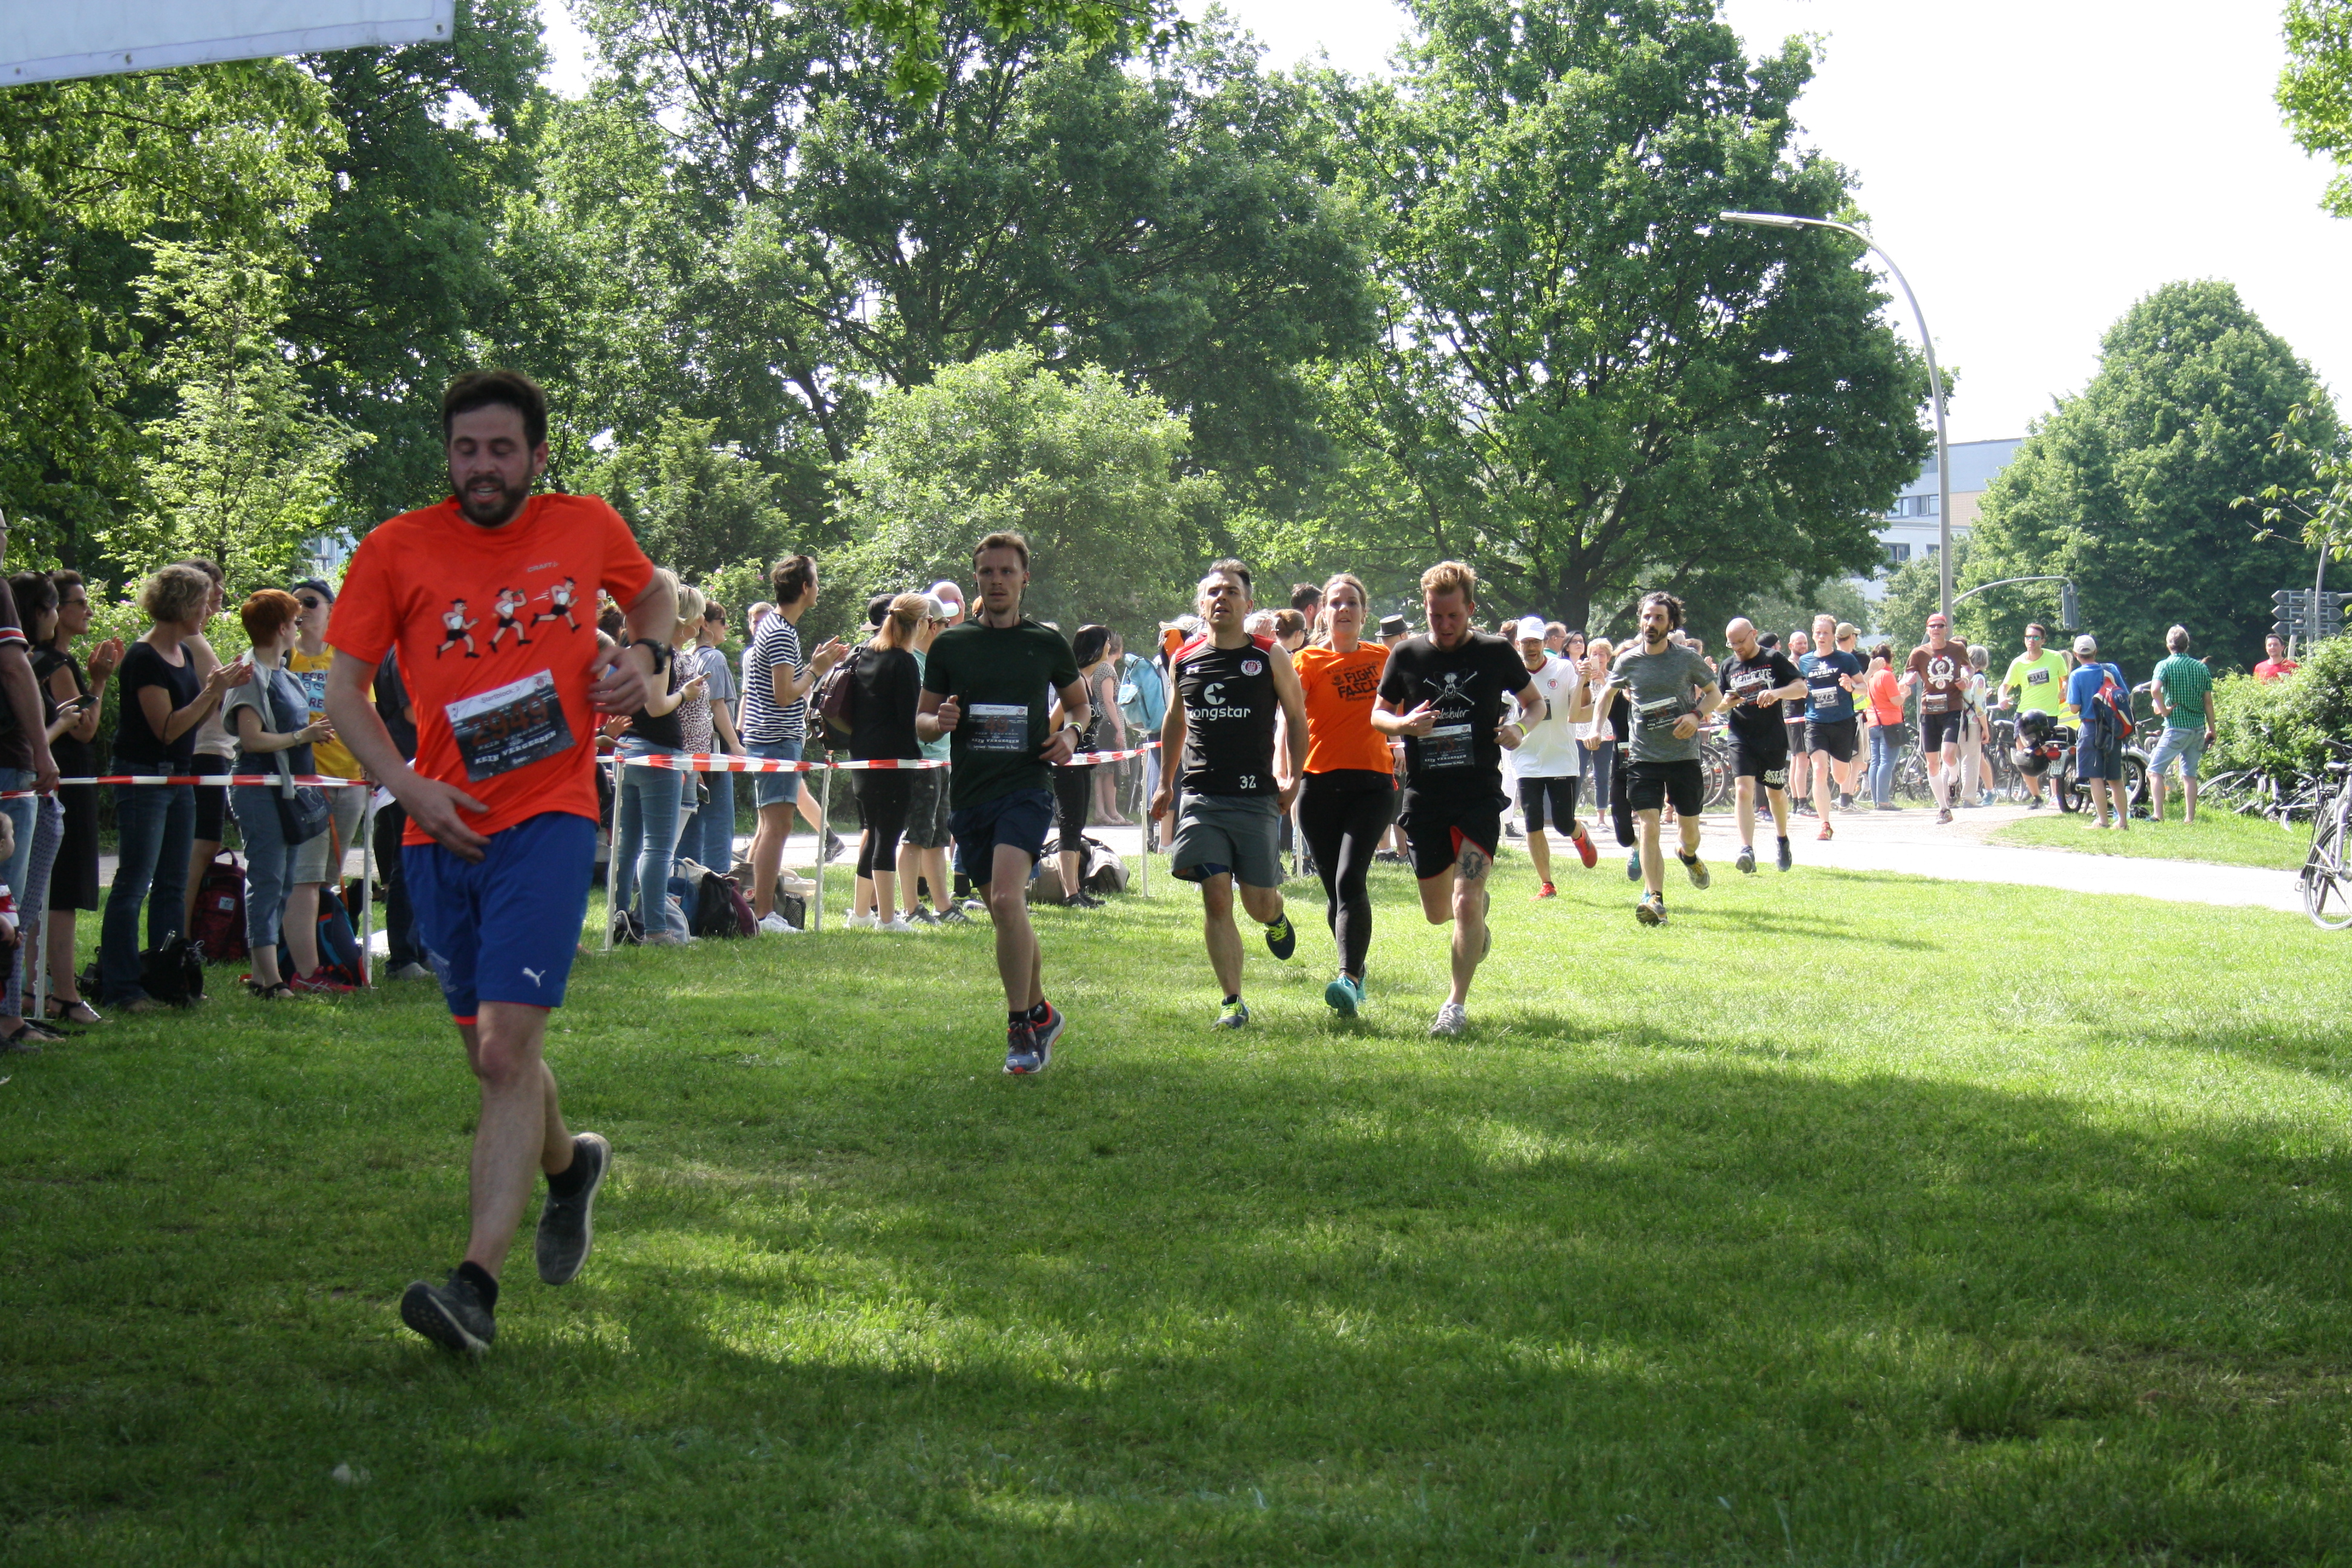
x=1281, y=936
x=454, y=1315
x=1022, y=1056
x=1634, y=866
x=1047, y=1030
x=1345, y=996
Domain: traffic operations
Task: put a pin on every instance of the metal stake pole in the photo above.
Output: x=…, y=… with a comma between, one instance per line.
x=825, y=825
x=1143, y=879
x=367, y=889
x=612, y=856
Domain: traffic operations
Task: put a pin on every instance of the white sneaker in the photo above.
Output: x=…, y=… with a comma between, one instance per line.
x=860, y=923
x=897, y=925
x=775, y=924
x=1452, y=1019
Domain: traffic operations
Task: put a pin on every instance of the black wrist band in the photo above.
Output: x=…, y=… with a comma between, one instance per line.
x=662, y=653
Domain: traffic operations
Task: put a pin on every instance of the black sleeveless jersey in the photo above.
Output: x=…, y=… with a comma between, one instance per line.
x=1229, y=709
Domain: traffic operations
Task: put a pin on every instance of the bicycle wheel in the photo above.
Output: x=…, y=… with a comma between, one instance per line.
x=2327, y=881
x=2136, y=783
x=1716, y=761
x=2072, y=795
x=1911, y=778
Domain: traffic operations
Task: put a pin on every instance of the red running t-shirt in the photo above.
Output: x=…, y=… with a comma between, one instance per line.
x=496, y=630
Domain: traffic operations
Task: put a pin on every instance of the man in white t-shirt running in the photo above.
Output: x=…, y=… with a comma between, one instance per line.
x=1550, y=770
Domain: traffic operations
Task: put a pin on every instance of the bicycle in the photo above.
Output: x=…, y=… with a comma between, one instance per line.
x=2326, y=876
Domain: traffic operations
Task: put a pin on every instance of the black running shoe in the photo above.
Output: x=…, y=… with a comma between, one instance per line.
x=1282, y=937
x=451, y=1315
x=1746, y=860
x=1784, y=858
x=566, y=1225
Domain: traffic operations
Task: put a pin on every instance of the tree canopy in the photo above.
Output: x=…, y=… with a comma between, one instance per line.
x=2316, y=90
x=2133, y=487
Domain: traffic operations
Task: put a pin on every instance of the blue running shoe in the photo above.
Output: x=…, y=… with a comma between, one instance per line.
x=1634, y=866
x=1344, y=996
x=1022, y=1056
x=1282, y=937
x=1047, y=1033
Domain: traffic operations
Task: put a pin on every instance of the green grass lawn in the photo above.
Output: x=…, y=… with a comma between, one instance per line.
x=2222, y=837
x=1847, y=1219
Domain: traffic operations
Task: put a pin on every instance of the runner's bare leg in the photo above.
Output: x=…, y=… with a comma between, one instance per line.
x=1018, y=964
x=522, y=1131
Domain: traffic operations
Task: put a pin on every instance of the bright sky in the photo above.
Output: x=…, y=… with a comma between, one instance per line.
x=2034, y=165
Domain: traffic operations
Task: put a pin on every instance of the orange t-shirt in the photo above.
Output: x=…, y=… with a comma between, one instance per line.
x=496, y=630
x=1339, y=688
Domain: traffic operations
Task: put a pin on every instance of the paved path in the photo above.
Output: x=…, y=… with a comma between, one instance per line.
x=1910, y=842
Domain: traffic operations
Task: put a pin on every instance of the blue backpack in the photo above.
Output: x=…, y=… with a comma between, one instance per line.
x=1142, y=698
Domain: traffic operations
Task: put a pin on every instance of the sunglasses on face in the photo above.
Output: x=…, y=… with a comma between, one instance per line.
x=314, y=603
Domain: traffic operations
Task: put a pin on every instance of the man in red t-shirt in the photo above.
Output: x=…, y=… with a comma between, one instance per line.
x=2277, y=664
x=501, y=846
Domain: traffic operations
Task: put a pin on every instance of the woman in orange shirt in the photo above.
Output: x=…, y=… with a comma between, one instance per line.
x=1886, y=726
x=1349, y=793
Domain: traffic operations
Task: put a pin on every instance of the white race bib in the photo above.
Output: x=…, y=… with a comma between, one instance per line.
x=997, y=728
x=510, y=727
x=1447, y=746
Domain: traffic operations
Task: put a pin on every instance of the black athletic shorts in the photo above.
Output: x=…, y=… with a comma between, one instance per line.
x=1651, y=786
x=1938, y=730
x=1548, y=803
x=1759, y=758
x=1435, y=831
x=1835, y=736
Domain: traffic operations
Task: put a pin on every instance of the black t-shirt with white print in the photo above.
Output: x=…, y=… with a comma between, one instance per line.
x=1229, y=709
x=1469, y=687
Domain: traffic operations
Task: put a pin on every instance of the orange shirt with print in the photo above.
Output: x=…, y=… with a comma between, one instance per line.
x=1339, y=688
x=496, y=630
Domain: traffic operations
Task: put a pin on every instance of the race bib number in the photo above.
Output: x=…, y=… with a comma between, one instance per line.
x=2037, y=678
x=998, y=728
x=1447, y=746
x=1825, y=700
x=1661, y=714
x=512, y=727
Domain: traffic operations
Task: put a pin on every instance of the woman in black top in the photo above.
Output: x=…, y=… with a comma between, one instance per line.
x=1073, y=786
x=162, y=703
x=886, y=684
x=73, y=879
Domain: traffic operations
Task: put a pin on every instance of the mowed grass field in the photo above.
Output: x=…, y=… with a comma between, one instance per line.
x=1847, y=1219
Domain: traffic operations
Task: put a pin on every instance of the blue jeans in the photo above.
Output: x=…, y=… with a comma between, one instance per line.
x=269, y=860
x=156, y=825
x=1603, y=767
x=771, y=789
x=710, y=836
x=645, y=847
x=1885, y=746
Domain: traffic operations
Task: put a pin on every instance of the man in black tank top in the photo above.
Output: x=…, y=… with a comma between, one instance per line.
x=1228, y=687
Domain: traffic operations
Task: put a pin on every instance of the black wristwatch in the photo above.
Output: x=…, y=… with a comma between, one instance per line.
x=662, y=652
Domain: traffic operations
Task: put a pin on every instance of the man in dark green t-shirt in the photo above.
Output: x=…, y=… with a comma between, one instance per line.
x=986, y=686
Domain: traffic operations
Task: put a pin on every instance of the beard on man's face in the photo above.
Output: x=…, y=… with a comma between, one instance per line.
x=487, y=500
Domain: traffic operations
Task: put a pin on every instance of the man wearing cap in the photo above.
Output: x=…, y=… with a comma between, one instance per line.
x=2099, y=754
x=949, y=595
x=1549, y=767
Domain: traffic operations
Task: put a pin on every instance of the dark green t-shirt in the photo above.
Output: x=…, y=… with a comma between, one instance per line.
x=1003, y=678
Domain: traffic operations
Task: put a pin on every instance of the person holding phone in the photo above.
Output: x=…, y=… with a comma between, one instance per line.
x=73, y=879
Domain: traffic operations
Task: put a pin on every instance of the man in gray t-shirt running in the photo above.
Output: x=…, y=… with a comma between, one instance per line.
x=1671, y=691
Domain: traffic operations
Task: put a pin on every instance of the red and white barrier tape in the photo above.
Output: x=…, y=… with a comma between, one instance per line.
x=224, y=780
x=715, y=763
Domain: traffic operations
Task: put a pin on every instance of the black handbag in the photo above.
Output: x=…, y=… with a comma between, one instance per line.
x=302, y=811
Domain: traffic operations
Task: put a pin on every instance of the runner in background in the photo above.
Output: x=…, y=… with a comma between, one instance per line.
x=1757, y=682
x=1672, y=689
x=1548, y=765
x=1938, y=670
x=985, y=686
x=501, y=840
x=1833, y=674
x=1792, y=715
x=2035, y=682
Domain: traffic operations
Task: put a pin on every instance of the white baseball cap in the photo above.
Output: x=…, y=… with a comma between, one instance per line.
x=1528, y=626
x=946, y=592
x=2086, y=646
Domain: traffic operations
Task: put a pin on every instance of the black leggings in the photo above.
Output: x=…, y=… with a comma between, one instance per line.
x=1343, y=821
x=1074, y=791
x=1621, y=809
x=882, y=799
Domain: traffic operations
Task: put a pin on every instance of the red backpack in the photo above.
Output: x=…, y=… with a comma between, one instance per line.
x=2116, y=698
x=219, y=929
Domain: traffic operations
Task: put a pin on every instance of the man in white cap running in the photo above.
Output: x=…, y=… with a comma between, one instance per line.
x=1550, y=769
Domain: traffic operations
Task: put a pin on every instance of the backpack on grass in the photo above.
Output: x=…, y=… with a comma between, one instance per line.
x=219, y=930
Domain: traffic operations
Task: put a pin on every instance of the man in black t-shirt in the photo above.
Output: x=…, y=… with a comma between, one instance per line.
x=985, y=686
x=1443, y=693
x=1757, y=683
x=1227, y=688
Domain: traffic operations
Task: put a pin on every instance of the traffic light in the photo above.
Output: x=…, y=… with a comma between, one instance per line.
x=2070, y=610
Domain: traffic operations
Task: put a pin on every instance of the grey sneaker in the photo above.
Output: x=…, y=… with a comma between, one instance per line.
x=450, y=1315
x=566, y=1225
x=1451, y=1020
x=953, y=915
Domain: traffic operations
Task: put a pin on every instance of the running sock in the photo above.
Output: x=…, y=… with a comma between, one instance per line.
x=1040, y=1013
x=1784, y=838
x=1234, y=998
x=1687, y=857
x=1017, y=1016
x=568, y=1181
x=485, y=1286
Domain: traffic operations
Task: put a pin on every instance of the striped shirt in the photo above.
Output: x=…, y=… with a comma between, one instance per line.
x=765, y=720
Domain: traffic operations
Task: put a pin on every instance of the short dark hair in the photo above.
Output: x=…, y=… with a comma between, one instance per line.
x=792, y=577
x=877, y=608
x=483, y=388
x=2176, y=639
x=2038, y=626
x=1304, y=593
x=1229, y=567
x=36, y=593
x=1004, y=539
x=1674, y=608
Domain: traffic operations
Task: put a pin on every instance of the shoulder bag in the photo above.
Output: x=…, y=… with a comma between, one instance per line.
x=302, y=813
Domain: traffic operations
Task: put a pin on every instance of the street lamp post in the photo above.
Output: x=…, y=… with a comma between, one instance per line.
x=1935, y=382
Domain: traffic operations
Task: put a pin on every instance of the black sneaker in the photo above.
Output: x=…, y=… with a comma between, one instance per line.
x=1282, y=937
x=919, y=916
x=451, y=1315
x=1746, y=860
x=952, y=915
x=1783, y=859
x=566, y=1228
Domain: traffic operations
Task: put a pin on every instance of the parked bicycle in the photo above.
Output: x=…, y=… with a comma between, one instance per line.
x=2326, y=876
